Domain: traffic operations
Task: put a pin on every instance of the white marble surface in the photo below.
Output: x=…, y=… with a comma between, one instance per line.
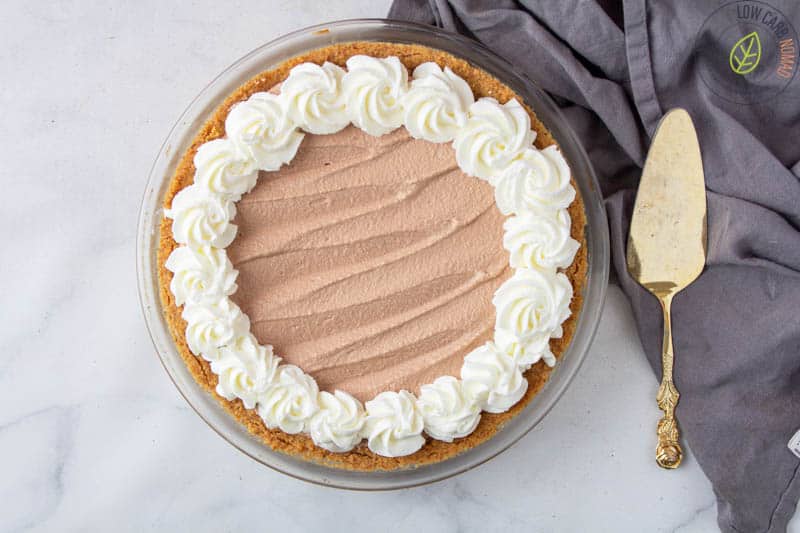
x=93, y=436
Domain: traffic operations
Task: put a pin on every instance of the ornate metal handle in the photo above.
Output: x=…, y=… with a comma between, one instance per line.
x=668, y=452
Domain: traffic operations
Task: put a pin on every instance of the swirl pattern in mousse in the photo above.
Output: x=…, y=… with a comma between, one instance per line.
x=370, y=262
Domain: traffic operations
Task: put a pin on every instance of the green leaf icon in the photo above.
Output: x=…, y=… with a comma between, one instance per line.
x=745, y=54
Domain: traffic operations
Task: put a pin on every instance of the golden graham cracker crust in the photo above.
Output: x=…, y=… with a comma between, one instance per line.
x=361, y=458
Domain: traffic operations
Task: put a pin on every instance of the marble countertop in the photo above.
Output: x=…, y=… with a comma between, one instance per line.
x=93, y=434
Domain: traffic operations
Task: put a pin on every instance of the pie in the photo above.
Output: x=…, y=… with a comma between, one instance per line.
x=372, y=255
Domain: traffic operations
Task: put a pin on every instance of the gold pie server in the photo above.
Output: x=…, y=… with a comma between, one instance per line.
x=667, y=246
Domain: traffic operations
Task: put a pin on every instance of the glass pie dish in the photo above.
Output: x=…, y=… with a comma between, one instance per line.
x=270, y=55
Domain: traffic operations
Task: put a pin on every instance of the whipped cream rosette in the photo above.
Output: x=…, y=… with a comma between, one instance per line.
x=338, y=424
x=435, y=107
x=314, y=98
x=394, y=424
x=493, y=136
x=374, y=90
x=262, y=130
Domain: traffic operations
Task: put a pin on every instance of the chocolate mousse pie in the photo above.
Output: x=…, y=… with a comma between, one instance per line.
x=372, y=255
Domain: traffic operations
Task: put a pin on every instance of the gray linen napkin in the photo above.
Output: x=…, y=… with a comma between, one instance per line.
x=614, y=68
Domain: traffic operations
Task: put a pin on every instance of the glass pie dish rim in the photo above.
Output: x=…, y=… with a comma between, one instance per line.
x=268, y=56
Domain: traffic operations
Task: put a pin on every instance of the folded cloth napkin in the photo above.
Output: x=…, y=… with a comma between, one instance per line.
x=615, y=68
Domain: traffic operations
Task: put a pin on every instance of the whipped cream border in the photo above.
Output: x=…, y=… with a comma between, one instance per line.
x=492, y=141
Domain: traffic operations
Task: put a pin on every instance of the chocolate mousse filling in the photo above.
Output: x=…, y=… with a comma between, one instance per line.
x=370, y=262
